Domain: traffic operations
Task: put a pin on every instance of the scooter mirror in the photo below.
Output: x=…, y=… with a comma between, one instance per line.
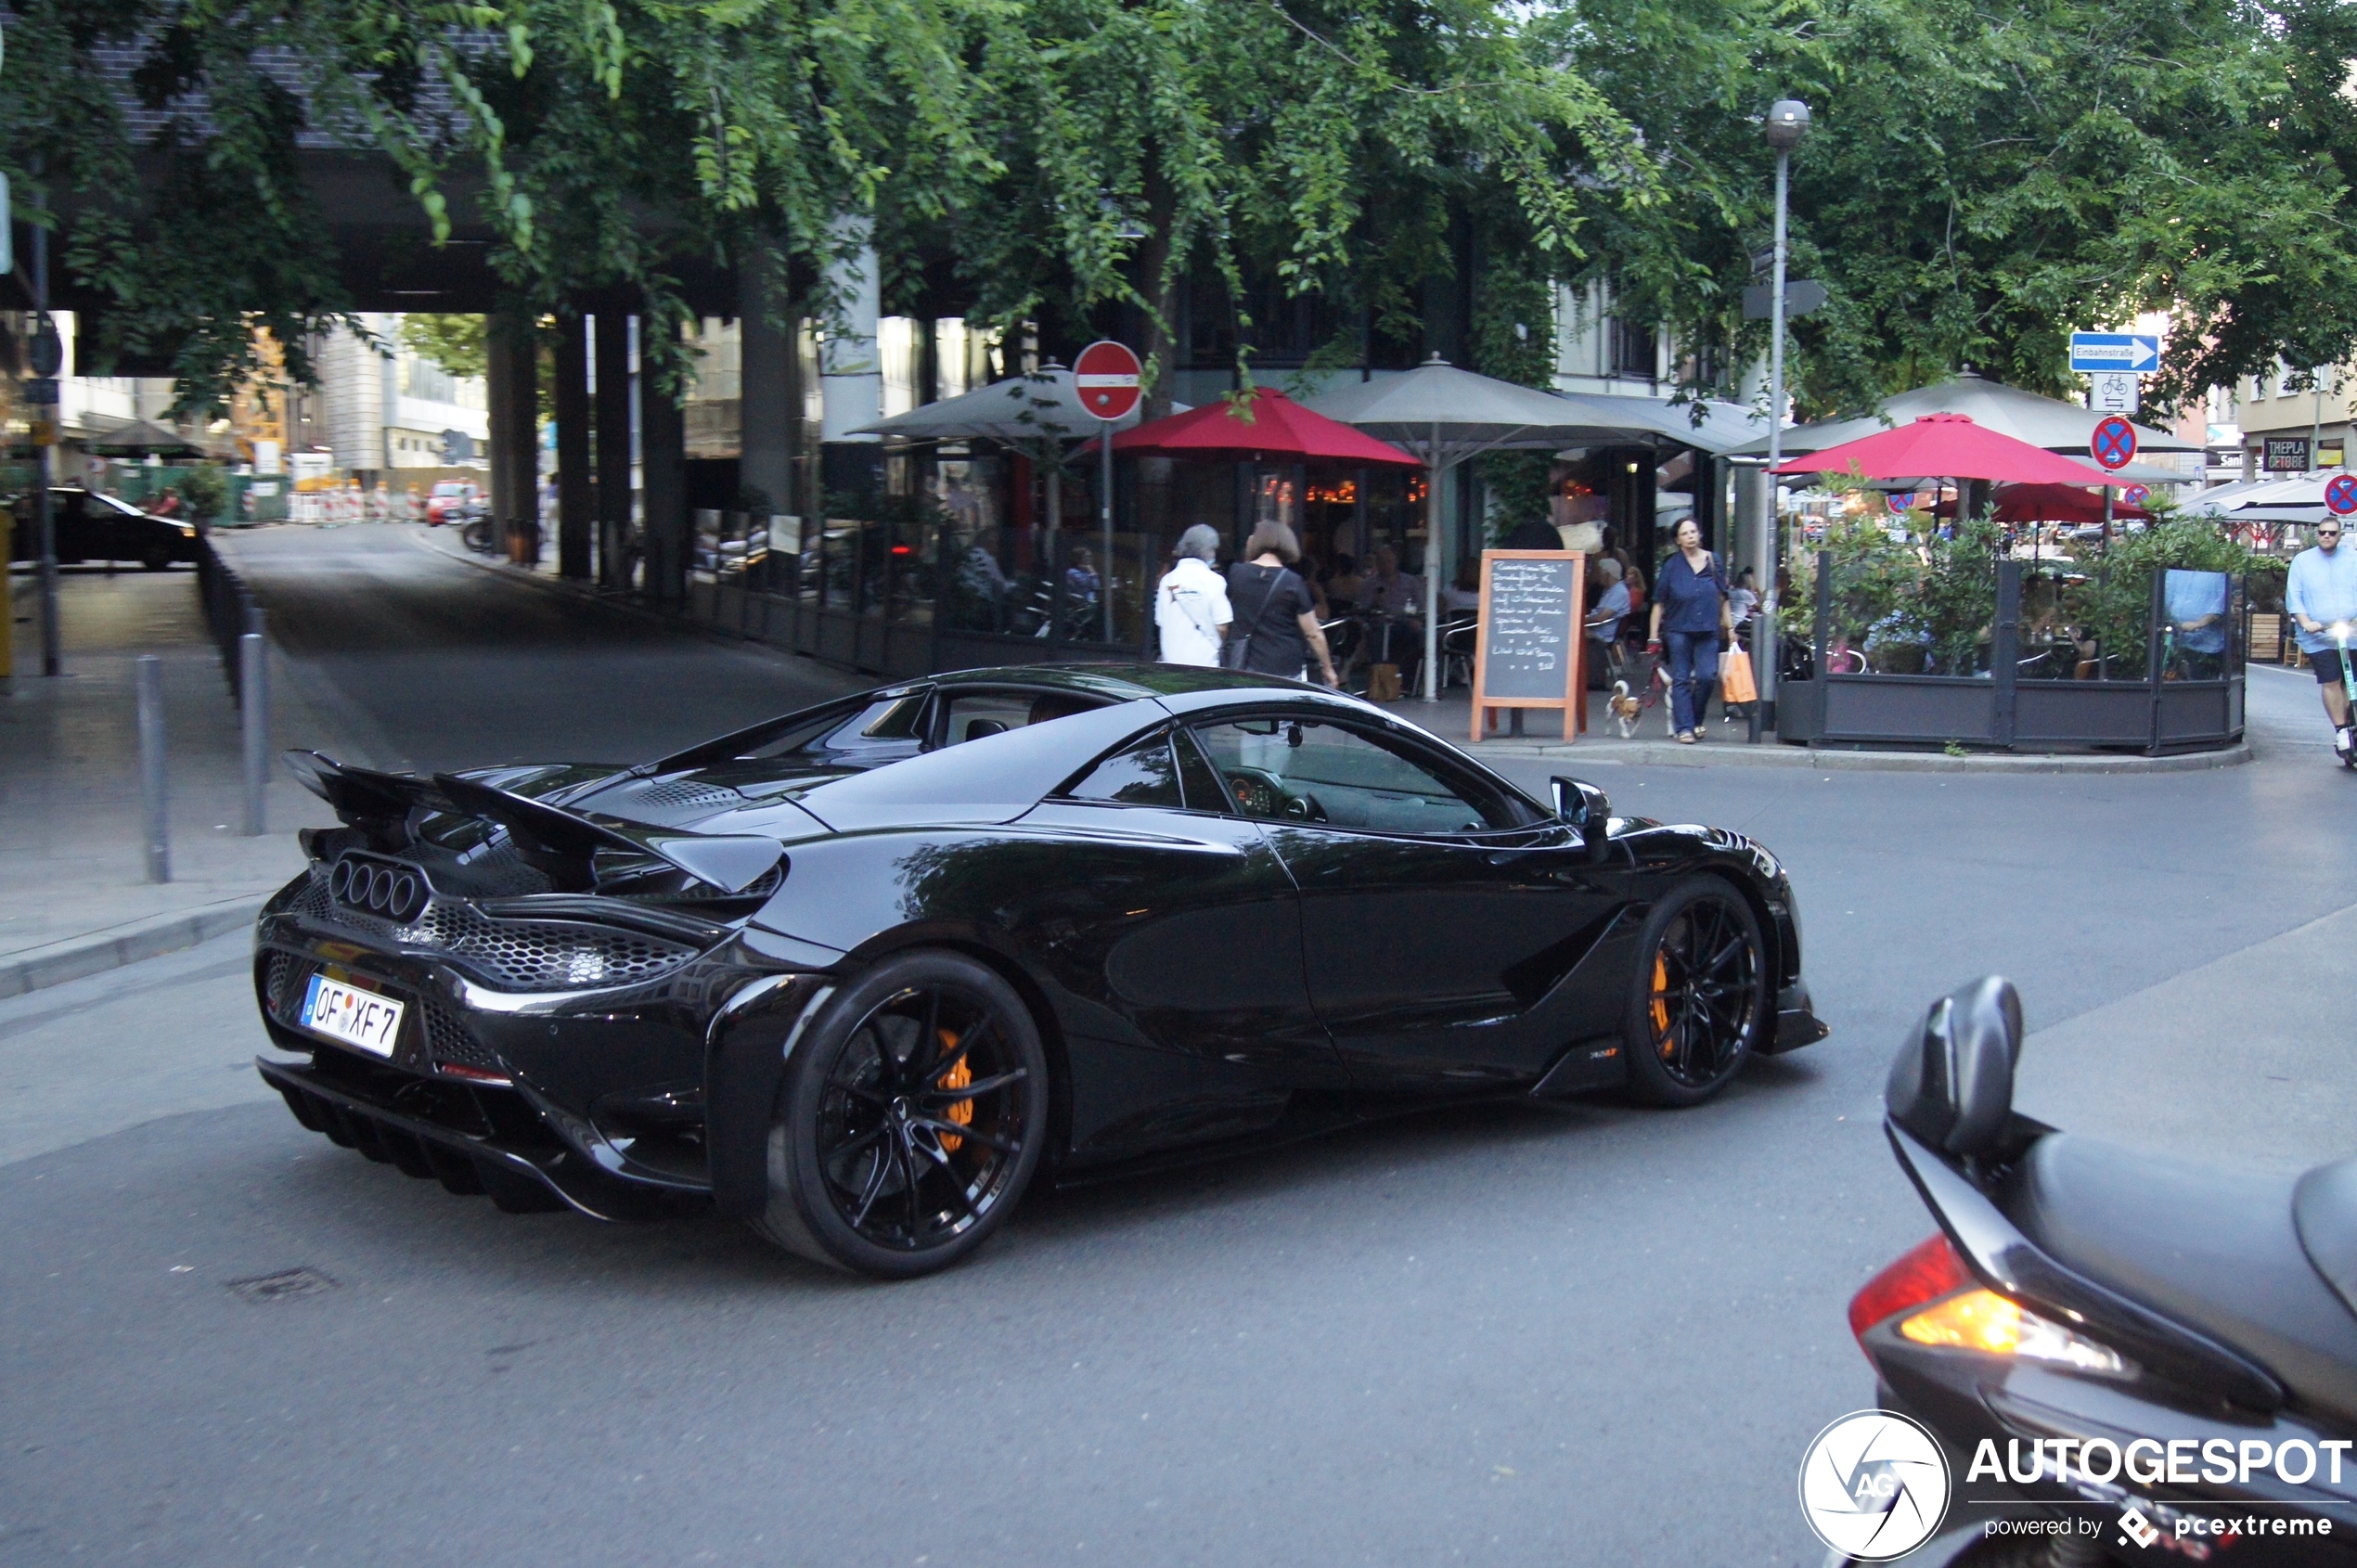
x=1952, y=1083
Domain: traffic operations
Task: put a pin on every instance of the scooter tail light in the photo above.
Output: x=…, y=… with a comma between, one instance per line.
x=1928, y=1272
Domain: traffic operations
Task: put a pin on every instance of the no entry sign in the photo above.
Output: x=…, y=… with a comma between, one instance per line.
x=2114, y=443
x=1106, y=376
x=2341, y=494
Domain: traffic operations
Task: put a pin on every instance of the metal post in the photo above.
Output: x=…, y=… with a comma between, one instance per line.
x=254, y=725
x=156, y=821
x=1763, y=636
x=1104, y=566
x=1432, y=571
x=44, y=473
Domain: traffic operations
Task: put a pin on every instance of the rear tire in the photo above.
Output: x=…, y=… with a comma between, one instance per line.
x=1698, y=1000
x=913, y=1115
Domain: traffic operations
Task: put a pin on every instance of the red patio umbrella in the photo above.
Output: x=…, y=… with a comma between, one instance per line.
x=2053, y=503
x=1948, y=446
x=1280, y=429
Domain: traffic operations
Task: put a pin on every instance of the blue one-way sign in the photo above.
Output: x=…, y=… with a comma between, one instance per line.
x=2113, y=351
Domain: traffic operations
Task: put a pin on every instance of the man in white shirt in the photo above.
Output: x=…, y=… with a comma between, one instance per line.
x=1190, y=607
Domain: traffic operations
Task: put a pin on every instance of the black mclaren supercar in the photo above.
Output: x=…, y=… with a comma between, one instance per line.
x=860, y=975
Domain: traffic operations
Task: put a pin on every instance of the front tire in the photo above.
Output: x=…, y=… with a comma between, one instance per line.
x=1698, y=1000
x=914, y=1113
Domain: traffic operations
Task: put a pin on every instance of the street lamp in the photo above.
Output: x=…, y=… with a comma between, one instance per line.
x=1787, y=121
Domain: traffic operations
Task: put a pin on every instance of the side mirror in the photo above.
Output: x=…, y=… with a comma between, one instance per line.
x=1581, y=805
x=1952, y=1085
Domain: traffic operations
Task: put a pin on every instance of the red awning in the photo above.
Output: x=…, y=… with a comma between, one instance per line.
x=1279, y=429
x=1941, y=446
x=2055, y=503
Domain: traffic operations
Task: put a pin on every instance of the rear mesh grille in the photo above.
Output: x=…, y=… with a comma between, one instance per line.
x=282, y=982
x=449, y=1039
x=509, y=955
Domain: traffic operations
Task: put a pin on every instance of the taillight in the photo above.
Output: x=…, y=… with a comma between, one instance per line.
x=1926, y=1272
x=1946, y=1308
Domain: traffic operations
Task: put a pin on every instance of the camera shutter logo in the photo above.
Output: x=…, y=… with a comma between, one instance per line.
x=1874, y=1485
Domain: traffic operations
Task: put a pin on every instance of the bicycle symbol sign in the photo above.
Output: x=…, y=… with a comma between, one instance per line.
x=2341, y=494
x=2114, y=443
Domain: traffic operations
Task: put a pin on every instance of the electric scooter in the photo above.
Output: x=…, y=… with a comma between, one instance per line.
x=2339, y=631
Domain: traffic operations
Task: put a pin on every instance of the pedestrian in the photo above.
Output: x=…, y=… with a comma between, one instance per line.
x=1191, y=603
x=1276, y=621
x=1690, y=610
x=2321, y=593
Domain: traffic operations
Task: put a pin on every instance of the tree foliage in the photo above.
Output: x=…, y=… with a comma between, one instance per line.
x=1986, y=175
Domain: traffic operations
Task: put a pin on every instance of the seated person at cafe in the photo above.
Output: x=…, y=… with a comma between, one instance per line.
x=1389, y=591
x=1396, y=600
x=1342, y=586
x=1609, y=609
x=2195, y=602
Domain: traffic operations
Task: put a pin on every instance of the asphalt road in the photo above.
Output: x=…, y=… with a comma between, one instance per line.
x=1499, y=1335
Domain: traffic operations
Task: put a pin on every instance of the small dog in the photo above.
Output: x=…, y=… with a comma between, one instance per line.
x=1626, y=710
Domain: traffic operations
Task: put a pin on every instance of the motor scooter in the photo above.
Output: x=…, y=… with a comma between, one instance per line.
x=2123, y=1356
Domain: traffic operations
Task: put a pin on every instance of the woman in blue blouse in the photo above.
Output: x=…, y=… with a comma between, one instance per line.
x=1690, y=610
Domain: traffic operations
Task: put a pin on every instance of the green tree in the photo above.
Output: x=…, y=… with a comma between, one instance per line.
x=454, y=341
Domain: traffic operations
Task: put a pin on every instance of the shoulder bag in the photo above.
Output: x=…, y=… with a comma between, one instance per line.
x=1236, y=650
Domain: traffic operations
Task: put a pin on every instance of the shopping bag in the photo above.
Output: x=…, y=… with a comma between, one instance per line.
x=1734, y=677
x=1383, y=682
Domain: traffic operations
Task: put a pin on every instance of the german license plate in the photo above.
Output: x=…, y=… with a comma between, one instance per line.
x=355, y=1017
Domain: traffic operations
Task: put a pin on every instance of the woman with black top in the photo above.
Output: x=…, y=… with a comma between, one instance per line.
x=1276, y=615
x=1690, y=609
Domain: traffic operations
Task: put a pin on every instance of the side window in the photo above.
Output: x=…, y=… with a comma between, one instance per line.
x=1195, y=773
x=1306, y=770
x=1144, y=774
x=970, y=715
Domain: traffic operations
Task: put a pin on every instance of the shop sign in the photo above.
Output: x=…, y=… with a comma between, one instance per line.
x=2284, y=454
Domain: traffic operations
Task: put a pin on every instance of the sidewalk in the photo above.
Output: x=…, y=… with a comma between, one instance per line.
x=73, y=895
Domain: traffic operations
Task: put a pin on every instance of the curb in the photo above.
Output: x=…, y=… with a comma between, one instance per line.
x=72, y=959
x=1826, y=759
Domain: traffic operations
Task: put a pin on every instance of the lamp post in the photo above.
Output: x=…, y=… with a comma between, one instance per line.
x=1787, y=121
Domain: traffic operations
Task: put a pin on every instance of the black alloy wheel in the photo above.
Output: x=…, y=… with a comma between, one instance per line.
x=158, y=559
x=1699, y=997
x=915, y=1111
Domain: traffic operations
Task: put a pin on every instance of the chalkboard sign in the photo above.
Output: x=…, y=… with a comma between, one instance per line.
x=1527, y=646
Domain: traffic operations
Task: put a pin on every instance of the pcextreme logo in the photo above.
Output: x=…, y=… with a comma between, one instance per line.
x=1874, y=1485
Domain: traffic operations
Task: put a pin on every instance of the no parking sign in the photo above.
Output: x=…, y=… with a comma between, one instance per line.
x=2341, y=494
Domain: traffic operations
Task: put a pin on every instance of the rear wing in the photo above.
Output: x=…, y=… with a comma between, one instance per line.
x=563, y=843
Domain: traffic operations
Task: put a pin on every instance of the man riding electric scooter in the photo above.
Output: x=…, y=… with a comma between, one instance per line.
x=2321, y=593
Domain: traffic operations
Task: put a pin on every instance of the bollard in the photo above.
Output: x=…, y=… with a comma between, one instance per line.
x=157, y=821
x=253, y=721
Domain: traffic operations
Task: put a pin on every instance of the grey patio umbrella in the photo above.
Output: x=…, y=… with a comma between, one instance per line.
x=1021, y=408
x=2026, y=416
x=140, y=438
x=1443, y=415
x=1040, y=413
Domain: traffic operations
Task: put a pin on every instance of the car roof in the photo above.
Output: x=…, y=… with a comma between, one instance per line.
x=1121, y=681
x=998, y=777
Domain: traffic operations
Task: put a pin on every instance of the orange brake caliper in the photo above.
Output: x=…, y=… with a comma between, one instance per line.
x=1661, y=1003
x=957, y=1077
